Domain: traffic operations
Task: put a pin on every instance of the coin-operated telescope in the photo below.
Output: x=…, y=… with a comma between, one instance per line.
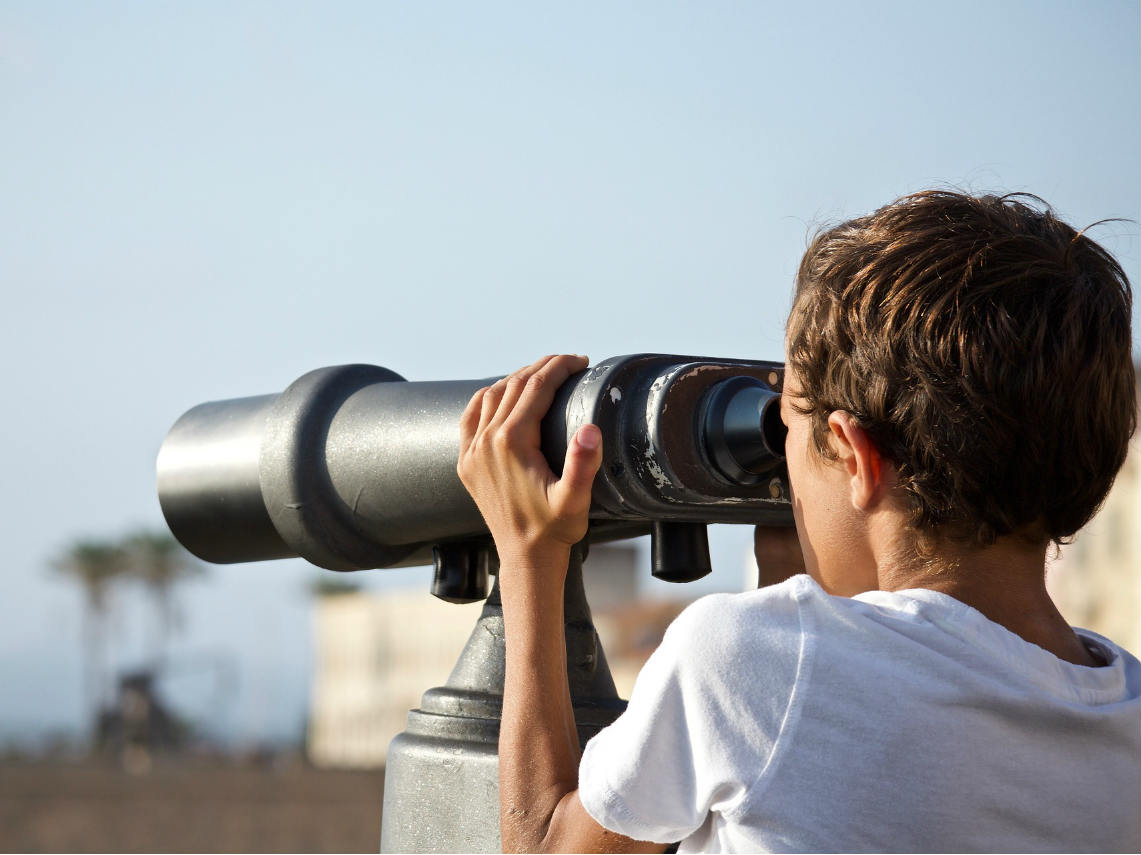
x=352, y=468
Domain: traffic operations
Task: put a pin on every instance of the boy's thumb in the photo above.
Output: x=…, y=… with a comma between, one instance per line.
x=584, y=456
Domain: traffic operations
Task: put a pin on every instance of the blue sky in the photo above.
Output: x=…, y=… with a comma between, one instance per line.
x=201, y=201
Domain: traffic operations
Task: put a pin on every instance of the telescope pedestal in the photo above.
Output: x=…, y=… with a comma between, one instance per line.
x=441, y=787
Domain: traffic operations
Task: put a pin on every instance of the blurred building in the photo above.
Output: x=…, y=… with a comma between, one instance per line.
x=1096, y=580
x=377, y=653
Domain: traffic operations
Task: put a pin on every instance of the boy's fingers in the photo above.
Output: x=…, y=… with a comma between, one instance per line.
x=539, y=391
x=584, y=456
x=515, y=383
x=469, y=421
x=491, y=398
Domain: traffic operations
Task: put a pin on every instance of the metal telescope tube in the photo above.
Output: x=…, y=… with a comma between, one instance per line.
x=352, y=467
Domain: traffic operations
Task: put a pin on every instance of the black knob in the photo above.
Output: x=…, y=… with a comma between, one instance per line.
x=461, y=572
x=679, y=551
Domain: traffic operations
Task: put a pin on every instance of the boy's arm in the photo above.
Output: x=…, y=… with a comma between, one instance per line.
x=535, y=519
x=539, y=808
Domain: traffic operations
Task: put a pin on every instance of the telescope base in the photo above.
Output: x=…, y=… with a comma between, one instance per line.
x=441, y=780
x=440, y=795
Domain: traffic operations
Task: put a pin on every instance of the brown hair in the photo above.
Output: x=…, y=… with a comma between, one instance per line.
x=985, y=347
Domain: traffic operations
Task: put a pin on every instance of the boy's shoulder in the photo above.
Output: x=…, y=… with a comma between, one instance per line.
x=723, y=617
x=768, y=634
x=798, y=604
x=902, y=636
x=731, y=606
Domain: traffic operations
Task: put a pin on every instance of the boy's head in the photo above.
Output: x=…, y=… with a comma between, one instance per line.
x=984, y=346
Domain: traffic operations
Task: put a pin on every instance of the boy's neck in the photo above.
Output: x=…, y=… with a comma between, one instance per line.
x=1006, y=582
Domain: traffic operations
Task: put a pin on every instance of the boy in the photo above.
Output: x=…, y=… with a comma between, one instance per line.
x=959, y=396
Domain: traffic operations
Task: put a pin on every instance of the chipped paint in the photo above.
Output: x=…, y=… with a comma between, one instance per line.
x=654, y=470
x=701, y=369
x=657, y=474
x=595, y=372
x=615, y=394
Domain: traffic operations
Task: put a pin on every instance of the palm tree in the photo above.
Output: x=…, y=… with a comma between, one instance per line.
x=158, y=561
x=95, y=564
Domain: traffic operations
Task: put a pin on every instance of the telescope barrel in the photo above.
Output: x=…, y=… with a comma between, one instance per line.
x=352, y=467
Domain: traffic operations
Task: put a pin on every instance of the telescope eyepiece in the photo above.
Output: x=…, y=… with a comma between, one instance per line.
x=742, y=433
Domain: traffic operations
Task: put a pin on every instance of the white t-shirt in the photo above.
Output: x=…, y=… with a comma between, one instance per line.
x=786, y=720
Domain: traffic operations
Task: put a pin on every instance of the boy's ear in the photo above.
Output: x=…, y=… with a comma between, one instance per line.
x=860, y=458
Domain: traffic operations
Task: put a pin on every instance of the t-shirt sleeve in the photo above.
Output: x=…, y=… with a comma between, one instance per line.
x=702, y=721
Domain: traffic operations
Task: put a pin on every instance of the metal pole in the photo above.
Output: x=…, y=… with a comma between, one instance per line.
x=441, y=785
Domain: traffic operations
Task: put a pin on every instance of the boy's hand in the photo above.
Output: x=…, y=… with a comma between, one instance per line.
x=530, y=512
x=778, y=553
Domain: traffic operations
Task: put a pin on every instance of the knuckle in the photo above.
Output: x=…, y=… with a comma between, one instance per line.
x=537, y=381
x=477, y=452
